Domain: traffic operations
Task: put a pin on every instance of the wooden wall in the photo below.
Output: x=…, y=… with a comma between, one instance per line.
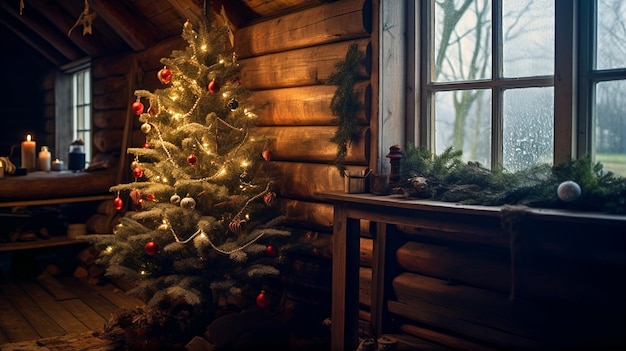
x=286, y=63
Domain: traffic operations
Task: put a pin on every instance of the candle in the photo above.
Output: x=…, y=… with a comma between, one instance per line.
x=44, y=159
x=28, y=154
x=57, y=165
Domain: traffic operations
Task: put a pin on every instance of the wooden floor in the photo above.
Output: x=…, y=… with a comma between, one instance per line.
x=46, y=306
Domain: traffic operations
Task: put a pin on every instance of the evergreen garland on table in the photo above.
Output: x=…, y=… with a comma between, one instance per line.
x=345, y=104
x=446, y=177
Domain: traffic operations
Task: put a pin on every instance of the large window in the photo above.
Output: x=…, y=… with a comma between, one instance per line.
x=513, y=82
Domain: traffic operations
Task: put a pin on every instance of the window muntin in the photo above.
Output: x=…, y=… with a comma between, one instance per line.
x=472, y=44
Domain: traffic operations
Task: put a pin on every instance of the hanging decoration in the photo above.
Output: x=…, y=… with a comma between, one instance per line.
x=85, y=19
x=165, y=75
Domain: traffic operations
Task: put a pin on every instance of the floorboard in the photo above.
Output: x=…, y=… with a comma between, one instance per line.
x=40, y=321
x=47, y=307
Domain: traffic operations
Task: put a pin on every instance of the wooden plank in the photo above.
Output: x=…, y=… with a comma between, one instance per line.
x=68, y=322
x=342, y=20
x=84, y=313
x=308, y=66
x=13, y=323
x=55, y=288
x=312, y=144
x=118, y=297
x=90, y=296
x=42, y=323
x=308, y=105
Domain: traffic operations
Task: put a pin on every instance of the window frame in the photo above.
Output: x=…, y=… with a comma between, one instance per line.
x=65, y=109
x=573, y=90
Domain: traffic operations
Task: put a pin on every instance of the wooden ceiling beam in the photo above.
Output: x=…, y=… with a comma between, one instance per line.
x=135, y=32
x=182, y=7
x=45, y=50
x=46, y=32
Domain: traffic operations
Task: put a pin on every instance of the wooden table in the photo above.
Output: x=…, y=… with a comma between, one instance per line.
x=383, y=212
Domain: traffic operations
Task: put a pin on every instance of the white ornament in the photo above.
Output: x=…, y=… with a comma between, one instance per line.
x=568, y=191
x=175, y=199
x=188, y=203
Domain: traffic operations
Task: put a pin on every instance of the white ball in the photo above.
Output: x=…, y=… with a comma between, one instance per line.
x=568, y=191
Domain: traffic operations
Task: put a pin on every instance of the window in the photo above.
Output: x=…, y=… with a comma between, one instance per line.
x=73, y=109
x=81, y=110
x=481, y=79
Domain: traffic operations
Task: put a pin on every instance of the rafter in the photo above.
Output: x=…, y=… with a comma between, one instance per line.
x=46, y=32
x=137, y=34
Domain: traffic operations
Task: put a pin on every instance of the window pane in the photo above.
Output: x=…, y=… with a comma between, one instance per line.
x=610, y=125
x=527, y=127
x=462, y=41
x=463, y=121
x=611, y=33
x=528, y=38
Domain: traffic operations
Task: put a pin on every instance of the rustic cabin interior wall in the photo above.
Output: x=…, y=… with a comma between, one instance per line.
x=286, y=62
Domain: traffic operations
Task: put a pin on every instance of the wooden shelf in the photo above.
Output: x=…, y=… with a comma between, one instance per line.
x=40, y=243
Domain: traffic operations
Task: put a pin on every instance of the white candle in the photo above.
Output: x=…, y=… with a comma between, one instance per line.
x=28, y=154
x=44, y=159
x=57, y=165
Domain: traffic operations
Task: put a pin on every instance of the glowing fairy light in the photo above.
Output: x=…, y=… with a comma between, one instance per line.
x=203, y=47
x=109, y=249
x=245, y=164
x=221, y=61
x=143, y=272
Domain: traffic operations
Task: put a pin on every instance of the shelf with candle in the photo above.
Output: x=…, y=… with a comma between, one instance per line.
x=28, y=154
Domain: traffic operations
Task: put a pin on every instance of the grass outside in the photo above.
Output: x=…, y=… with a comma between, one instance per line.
x=615, y=163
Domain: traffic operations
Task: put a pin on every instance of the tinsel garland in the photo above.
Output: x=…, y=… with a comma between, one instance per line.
x=446, y=177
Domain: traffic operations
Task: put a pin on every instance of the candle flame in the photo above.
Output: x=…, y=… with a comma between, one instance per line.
x=28, y=137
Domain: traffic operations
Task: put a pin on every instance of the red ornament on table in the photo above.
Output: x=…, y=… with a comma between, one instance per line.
x=138, y=172
x=262, y=299
x=151, y=248
x=272, y=251
x=118, y=204
x=192, y=160
x=137, y=107
x=214, y=87
x=165, y=75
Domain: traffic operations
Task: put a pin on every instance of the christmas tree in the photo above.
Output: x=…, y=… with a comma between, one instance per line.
x=202, y=225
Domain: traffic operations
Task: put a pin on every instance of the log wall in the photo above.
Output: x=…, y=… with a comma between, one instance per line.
x=286, y=62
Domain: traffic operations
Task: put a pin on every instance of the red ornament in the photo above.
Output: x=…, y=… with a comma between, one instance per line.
x=135, y=195
x=263, y=299
x=192, y=160
x=150, y=197
x=138, y=172
x=118, y=204
x=146, y=145
x=269, y=197
x=137, y=107
x=272, y=251
x=266, y=154
x=165, y=75
x=151, y=248
x=214, y=87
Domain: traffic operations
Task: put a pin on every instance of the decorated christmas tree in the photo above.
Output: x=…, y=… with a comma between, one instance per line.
x=202, y=225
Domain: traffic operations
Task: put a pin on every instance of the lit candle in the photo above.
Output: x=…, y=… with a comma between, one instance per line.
x=57, y=165
x=28, y=154
x=44, y=159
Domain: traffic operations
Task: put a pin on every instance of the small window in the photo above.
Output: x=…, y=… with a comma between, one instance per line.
x=73, y=110
x=81, y=110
